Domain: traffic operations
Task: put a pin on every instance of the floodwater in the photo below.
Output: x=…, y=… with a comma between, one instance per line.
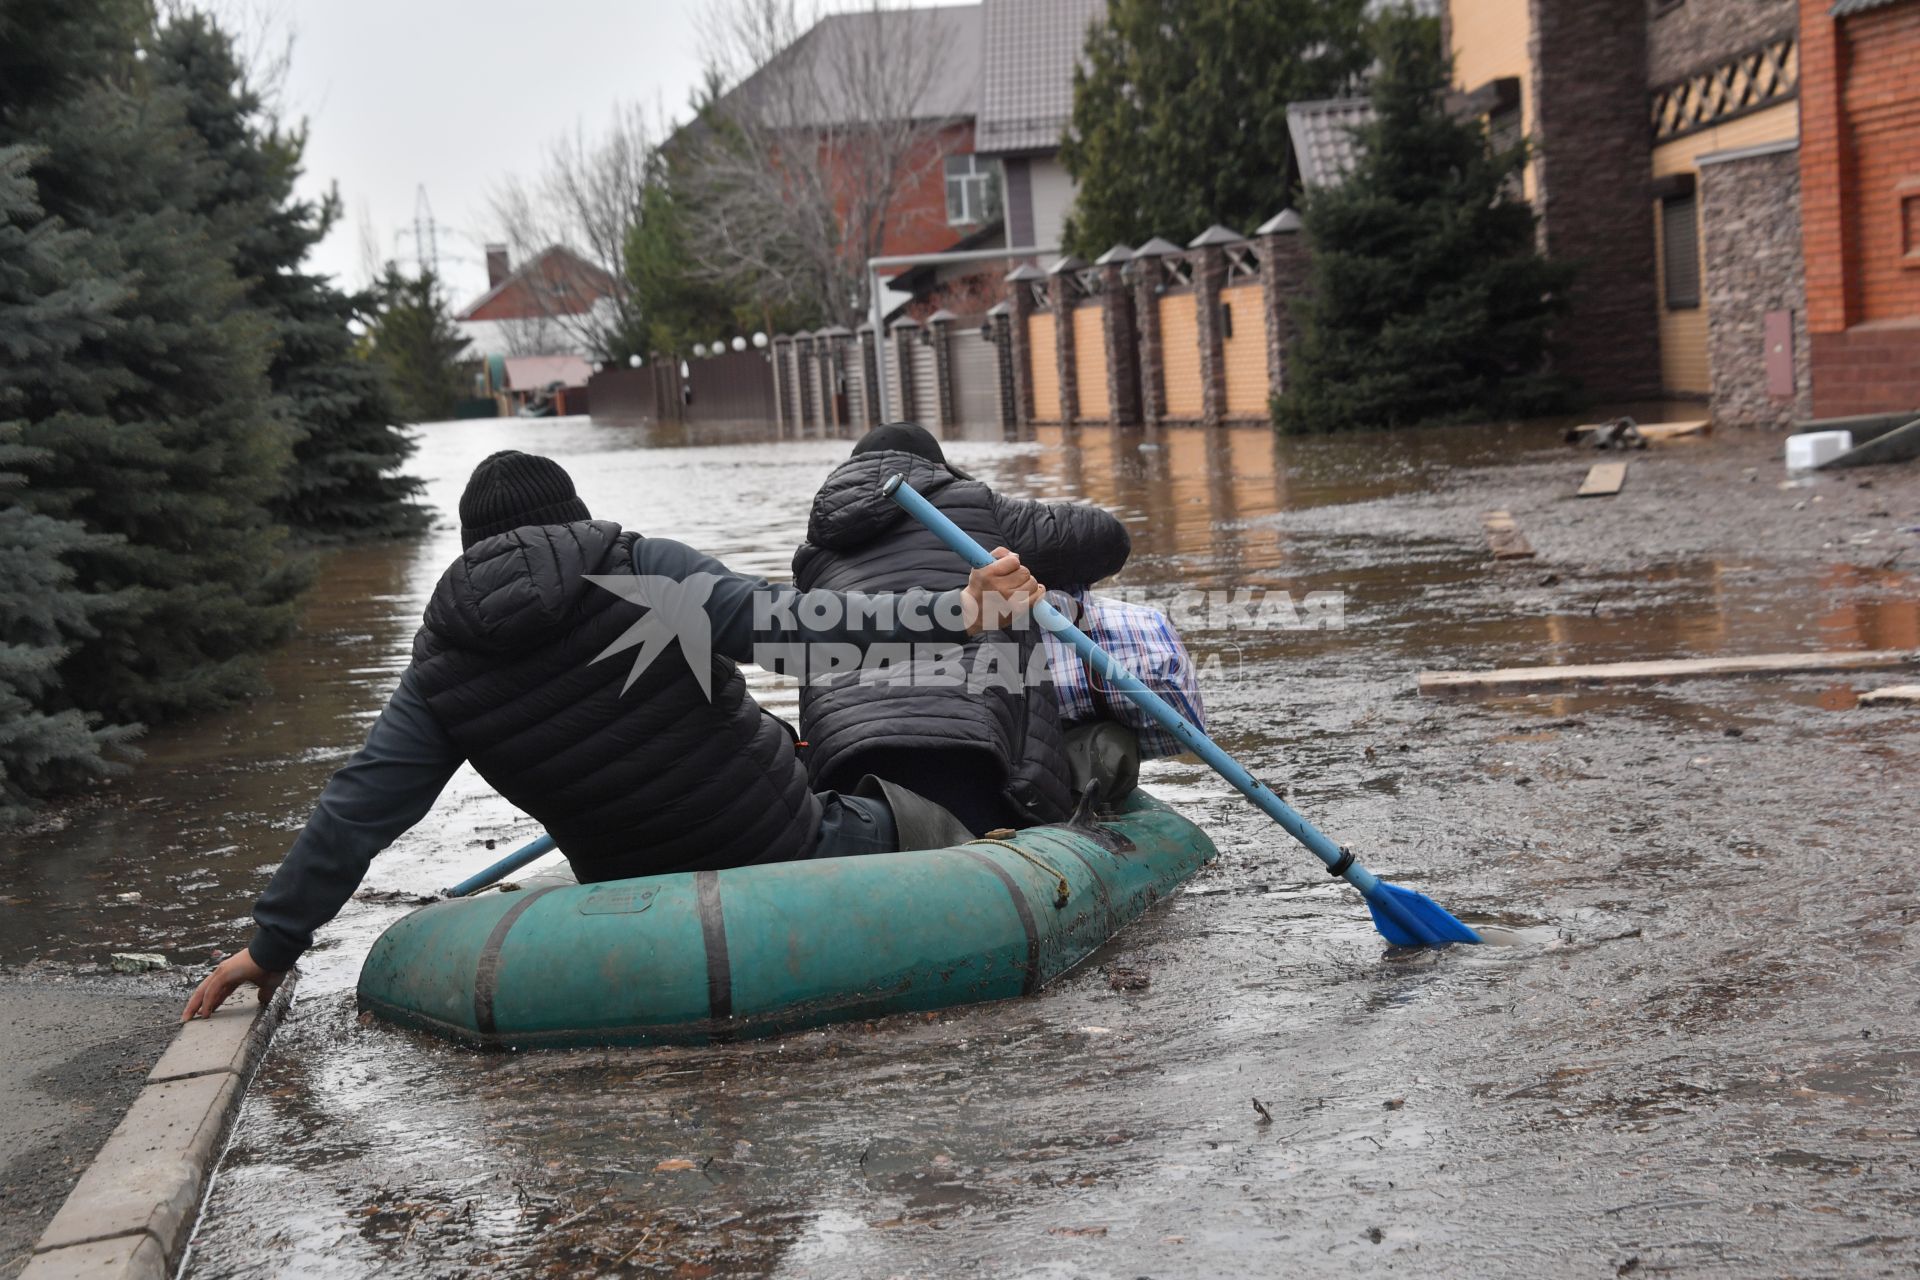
x=1693, y=1050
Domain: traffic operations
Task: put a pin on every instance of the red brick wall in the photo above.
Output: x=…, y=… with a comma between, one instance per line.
x=917, y=218
x=1867, y=369
x=1823, y=168
x=1881, y=104
x=1859, y=139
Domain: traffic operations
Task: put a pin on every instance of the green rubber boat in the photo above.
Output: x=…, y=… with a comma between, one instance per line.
x=755, y=951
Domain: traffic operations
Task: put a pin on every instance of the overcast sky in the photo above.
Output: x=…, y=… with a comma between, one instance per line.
x=455, y=95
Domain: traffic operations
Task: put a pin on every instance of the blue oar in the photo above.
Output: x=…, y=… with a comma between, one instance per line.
x=529, y=852
x=1403, y=917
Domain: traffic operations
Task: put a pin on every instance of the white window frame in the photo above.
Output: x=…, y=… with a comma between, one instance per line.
x=977, y=188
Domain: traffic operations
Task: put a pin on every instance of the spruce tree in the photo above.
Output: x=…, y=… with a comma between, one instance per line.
x=50, y=300
x=412, y=335
x=342, y=480
x=1180, y=112
x=159, y=429
x=676, y=307
x=1428, y=300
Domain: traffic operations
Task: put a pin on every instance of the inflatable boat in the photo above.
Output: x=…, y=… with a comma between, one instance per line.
x=705, y=956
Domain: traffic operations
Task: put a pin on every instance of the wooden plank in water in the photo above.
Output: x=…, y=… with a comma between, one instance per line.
x=1658, y=431
x=1504, y=537
x=1604, y=480
x=1521, y=678
x=1891, y=694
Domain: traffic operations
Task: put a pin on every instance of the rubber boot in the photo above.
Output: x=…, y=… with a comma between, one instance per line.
x=1106, y=752
x=919, y=822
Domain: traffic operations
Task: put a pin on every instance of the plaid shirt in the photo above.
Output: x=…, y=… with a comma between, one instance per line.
x=1143, y=640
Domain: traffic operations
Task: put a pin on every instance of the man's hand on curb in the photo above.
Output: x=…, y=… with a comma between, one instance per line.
x=998, y=593
x=236, y=971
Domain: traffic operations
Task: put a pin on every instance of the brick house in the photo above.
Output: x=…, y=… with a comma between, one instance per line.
x=1026, y=102
x=524, y=312
x=950, y=193
x=1656, y=125
x=1673, y=142
x=1859, y=174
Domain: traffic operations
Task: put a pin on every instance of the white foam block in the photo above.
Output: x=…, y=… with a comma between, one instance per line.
x=1811, y=449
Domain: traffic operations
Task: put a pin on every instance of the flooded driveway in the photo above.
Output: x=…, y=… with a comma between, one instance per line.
x=1694, y=1050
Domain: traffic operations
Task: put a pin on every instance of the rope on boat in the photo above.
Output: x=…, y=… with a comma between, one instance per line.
x=1060, y=890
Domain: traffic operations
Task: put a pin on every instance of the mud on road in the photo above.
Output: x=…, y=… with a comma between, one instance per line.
x=1694, y=1049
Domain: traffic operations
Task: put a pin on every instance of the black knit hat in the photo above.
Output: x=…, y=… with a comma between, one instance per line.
x=901, y=437
x=510, y=489
x=906, y=437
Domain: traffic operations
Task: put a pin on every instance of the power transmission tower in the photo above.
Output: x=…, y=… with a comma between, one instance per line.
x=425, y=233
x=426, y=236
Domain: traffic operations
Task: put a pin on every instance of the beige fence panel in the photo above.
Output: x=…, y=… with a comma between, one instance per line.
x=1046, y=373
x=1180, y=356
x=896, y=403
x=1090, y=361
x=1244, y=350
x=926, y=386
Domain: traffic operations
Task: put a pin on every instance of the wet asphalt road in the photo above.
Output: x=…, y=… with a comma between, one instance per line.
x=1694, y=1051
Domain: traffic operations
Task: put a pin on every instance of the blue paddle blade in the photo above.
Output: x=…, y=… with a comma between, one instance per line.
x=1409, y=919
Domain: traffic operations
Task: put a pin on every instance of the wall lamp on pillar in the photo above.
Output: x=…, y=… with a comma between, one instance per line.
x=760, y=341
x=633, y=361
x=739, y=344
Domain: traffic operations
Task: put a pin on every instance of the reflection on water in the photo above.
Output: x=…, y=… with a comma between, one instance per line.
x=364, y=1148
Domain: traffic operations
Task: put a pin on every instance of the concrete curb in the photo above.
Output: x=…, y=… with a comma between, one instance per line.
x=132, y=1211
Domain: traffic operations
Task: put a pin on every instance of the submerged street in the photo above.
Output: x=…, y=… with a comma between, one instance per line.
x=1690, y=1046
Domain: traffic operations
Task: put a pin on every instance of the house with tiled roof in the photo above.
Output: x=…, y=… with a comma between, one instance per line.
x=1026, y=102
x=532, y=310
x=1322, y=133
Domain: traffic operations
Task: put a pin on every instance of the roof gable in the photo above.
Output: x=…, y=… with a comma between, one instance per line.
x=513, y=298
x=1032, y=47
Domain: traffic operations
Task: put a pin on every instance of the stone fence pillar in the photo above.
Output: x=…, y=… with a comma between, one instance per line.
x=833, y=374
x=1149, y=282
x=940, y=335
x=1020, y=298
x=869, y=379
x=1283, y=278
x=1000, y=327
x=1063, y=290
x=906, y=333
x=1120, y=338
x=1208, y=254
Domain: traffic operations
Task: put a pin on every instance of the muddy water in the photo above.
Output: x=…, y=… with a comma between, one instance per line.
x=1694, y=1051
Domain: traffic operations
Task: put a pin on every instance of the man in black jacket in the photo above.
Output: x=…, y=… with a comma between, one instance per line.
x=988, y=749
x=658, y=763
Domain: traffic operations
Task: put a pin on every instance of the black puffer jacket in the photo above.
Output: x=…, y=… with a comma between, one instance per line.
x=858, y=539
x=655, y=780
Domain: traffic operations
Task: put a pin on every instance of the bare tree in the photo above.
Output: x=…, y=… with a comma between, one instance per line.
x=795, y=174
x=587, y=199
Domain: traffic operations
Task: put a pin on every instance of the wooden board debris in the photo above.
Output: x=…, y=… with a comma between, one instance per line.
x=1522, y=678
x=1890, y=695
x=1658, y=431
x=1504, y=537
x=1604, y=480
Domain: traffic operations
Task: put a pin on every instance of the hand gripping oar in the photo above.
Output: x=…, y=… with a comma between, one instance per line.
x=1403, y=917
x=529, y=852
